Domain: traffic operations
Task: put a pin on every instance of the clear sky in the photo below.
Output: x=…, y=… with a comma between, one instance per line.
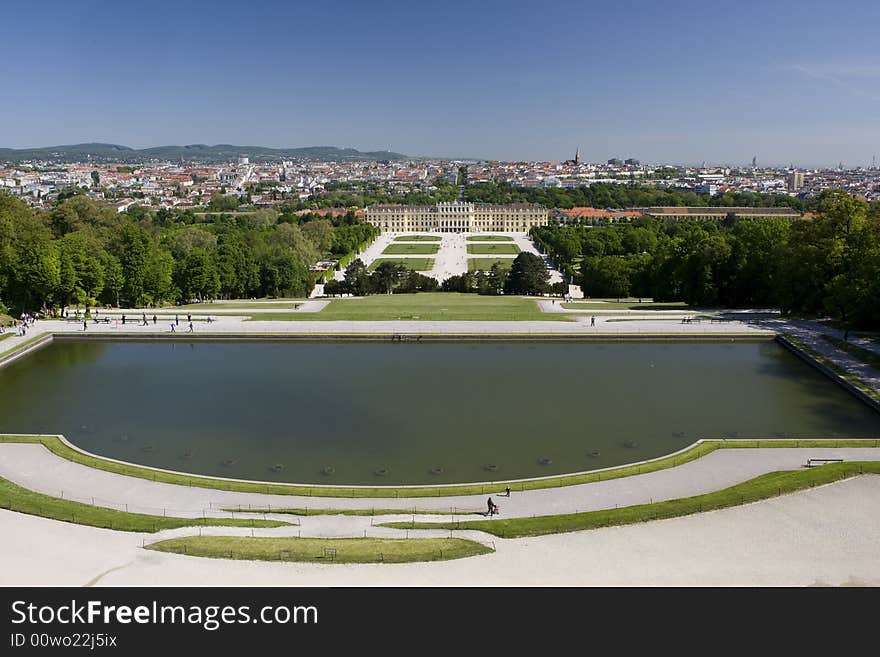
x=668, y=81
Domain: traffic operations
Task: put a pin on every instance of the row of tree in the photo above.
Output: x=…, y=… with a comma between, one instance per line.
x=610, y=195
x=828, y=265
x=86, y=253
x=527, y=274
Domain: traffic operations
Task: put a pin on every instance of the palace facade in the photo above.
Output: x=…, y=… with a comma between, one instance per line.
x=457, y=217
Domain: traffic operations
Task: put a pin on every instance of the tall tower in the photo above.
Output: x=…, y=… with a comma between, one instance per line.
x=754, y=161
x=577, y=155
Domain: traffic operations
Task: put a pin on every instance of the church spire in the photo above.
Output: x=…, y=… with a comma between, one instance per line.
x=577, y=154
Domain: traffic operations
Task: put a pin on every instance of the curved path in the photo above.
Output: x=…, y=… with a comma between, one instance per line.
x=822, y=536
x=36, y=468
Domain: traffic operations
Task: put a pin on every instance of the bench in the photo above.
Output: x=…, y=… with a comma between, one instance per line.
x=813, y=462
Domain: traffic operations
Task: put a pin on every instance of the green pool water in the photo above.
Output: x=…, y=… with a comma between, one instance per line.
x=384, y=413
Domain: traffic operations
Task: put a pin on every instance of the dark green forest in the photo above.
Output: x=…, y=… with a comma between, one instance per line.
x=825, y=266
x=82, y=252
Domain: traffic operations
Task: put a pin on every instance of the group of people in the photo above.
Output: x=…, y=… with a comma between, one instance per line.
x=21, y=327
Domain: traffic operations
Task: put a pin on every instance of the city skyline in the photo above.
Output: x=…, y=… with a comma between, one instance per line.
x=499, y=81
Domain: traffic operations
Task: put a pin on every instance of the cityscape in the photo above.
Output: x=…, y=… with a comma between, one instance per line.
x=186, y=184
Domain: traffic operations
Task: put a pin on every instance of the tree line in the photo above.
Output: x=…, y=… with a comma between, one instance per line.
x=528, y=274
x=825, y=266
x=83, y=252
x=609, y=195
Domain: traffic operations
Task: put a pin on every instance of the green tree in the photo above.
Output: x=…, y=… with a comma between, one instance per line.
x=528, y=275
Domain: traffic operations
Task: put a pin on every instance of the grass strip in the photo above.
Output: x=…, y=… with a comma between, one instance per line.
x=414, y=264
x=323, y=550
x=763, y=487
x=485, y=264
x=22, y=345
x=22, y=500
x=834, y=367
x=55, y=445
x=867, y=356
x=354, y=512
x=411, y=249
x=417, y=238
x=492, y=249
x=489, y=238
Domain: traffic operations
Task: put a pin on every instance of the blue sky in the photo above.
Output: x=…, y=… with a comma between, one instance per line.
x=661, y=81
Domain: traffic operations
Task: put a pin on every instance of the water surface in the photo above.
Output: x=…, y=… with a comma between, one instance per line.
x=365, y=413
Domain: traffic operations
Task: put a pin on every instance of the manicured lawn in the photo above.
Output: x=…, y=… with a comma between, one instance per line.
x=347, y=550
x=417, y=238
x=765, y=486
x=57, y=447
x=425, y=306
x=492, y=249
x=489, y=238
x=411, y=249
x=485, y=264
x=416, y=264
x=22, y=500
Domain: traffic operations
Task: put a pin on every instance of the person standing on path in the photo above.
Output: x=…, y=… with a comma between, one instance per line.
x=507, y=490
x=85, y=325
x=176, y=319
x=491, y=506
x=592, y=321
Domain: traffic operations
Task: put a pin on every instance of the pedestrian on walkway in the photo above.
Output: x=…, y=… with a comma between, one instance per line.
x=123, y=320
x=190, y=327
x=154, y=319
x=85, y=325
x=172, y=327
x=176, y=319
x=507, y=490
x=491, y=506
x=592, y=321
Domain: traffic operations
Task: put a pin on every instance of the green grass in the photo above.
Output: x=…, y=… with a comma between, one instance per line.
x=489, y=238
x=763, y=487
x=834, y=367
x=417, y=238
x=59, y=448
x=348, y=550
x=492, y=249
x=485, y=264
x=21, y=345
x=415, y=264
x=21, y=500
x=865, y=355
x=411, y=249
x=426, y=306
x=353, y=512
x=3, y=336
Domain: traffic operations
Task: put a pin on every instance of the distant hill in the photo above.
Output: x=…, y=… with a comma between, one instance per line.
x=192, y=152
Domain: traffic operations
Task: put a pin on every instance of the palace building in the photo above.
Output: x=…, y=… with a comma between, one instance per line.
x=457, y=217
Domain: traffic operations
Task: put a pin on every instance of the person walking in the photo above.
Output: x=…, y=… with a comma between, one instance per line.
x=507, y=491
x=85, y=325
x=123, y=320
x=592, y=321
x=491, y=506
x=154, y=319
x=172, y=327
x=190, y=327
x=176, y=319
